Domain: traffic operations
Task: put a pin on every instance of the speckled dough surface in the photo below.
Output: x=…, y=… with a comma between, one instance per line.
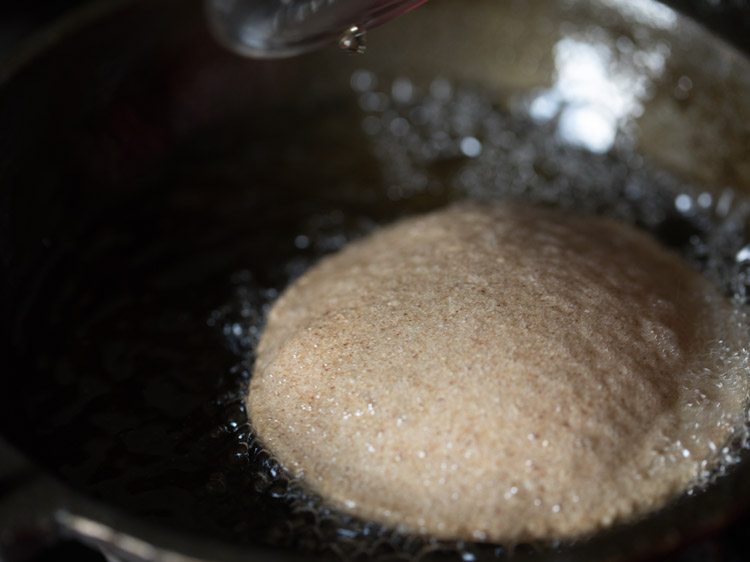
x=499, y=373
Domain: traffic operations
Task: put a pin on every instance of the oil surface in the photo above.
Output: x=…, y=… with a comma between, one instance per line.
x=143, y=356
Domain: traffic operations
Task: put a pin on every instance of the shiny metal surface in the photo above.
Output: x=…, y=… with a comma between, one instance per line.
x=273, y=29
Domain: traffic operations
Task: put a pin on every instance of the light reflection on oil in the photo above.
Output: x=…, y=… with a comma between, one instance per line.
x=599, y=86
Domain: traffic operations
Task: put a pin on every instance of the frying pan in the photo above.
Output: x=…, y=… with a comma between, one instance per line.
x=156, y=191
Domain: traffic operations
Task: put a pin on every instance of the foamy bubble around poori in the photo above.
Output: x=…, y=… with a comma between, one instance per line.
x=499, y=372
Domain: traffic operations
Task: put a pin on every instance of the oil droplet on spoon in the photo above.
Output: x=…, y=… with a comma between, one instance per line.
x=353, y=40
x=277, y=29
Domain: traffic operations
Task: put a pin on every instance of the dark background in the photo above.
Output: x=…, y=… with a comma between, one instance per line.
x=728, y=18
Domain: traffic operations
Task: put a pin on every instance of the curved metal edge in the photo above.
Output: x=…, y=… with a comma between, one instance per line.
x=37, y=510
x=125, y=539
x=28, y=501
x=730, y=47
x=709, y=14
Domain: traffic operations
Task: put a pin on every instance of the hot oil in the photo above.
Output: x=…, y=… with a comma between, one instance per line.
x=147, y=357
x=452, y=139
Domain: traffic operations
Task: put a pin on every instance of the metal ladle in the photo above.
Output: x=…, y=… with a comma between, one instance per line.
x=284, y=28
